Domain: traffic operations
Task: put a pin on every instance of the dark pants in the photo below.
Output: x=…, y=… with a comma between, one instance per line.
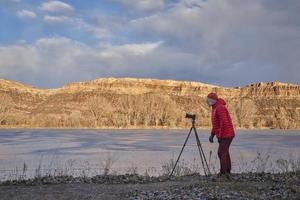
x=223, y=153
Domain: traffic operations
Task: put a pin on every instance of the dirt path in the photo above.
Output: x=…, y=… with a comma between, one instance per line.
x=85, y=191
x=248, y=186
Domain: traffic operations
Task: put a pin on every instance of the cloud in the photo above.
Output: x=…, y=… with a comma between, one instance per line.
x=113, y=23
x=129, y=50
x=57, y=19
x=26, y=14
x=230, y=43
x=48, y=62
x=99, y=32
x=53, y=61
x=56, y=7
x=143, y=5
x=231, y=38
x=78, y=23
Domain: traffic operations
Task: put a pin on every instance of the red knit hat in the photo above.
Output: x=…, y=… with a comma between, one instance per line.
x=213, y=96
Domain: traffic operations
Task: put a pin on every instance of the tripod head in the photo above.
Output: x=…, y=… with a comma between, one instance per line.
x=191, y=116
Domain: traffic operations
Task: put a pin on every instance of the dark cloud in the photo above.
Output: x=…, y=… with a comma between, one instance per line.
x=235, y=42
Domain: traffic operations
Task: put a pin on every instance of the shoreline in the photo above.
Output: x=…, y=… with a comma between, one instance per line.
x=132, y=178
x=134, y=128
x=132, y=186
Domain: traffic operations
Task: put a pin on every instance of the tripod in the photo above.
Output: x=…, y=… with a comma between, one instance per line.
x=201, y=153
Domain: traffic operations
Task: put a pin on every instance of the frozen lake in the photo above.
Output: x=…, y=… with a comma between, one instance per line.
x=133, y=149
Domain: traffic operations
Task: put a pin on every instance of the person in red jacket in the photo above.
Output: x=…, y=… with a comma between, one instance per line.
x=223, y=129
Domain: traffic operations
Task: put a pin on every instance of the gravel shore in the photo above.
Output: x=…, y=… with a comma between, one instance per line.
x=239, y=186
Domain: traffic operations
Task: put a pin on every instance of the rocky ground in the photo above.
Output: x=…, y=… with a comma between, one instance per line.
x=239, y=186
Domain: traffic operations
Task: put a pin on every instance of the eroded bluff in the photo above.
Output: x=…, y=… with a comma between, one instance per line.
x=145, y=103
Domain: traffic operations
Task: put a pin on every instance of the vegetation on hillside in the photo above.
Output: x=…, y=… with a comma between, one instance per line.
x=130, y=104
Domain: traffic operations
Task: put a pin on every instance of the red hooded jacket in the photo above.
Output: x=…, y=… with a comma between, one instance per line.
x=221, y=121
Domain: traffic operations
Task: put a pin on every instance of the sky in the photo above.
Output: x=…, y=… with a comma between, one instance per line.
x=48, y=43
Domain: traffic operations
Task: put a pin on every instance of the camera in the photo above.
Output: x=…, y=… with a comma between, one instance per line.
x=191, y=116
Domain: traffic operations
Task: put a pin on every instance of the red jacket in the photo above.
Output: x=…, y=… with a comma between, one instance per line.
x=221, y=121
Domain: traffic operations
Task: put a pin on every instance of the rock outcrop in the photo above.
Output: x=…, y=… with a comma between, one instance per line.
x=145, y=103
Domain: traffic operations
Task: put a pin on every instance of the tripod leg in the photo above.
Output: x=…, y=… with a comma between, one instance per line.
x=200, y=152
x=205, y=167
x=181, y=151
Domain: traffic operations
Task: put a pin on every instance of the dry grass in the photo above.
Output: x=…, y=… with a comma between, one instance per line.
x=262, y=163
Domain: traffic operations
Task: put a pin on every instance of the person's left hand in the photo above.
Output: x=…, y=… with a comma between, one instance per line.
x=211, y=138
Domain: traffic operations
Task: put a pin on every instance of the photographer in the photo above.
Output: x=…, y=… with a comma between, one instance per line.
x=222, y=128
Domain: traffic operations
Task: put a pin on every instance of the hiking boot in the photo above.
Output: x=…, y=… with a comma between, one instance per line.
x=223, y=177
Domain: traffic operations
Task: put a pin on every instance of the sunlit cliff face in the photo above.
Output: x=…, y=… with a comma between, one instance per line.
x=145, y=103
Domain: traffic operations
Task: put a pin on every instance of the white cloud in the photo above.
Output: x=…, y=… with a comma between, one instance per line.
x=80, y=24
x=48, y=62
x=98, y=31
x=57, y=19
x=129, y=50
x=25, y=63
x=143, y=5
x=26, y=14
x=54, y=61
x=56, y=6
x=184, y=19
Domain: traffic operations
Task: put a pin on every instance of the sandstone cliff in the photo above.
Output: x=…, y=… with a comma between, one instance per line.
x=145, y=103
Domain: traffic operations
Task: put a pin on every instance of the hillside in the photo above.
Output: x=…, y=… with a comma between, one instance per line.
x=145, y=103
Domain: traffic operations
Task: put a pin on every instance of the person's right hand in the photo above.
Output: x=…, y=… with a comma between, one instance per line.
x=211, y=138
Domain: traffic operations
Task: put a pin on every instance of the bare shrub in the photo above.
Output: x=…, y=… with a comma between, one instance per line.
x=100, y=109
x=283, y=165
x=38, y=171
x=132, y=169
x=243, y=164
x=69, y=168
x=295, y=163
x=5, y=106
x=150, y=171
x=260, y=162
x=212, y=162
x=182, y=167
x=24, y=171
x=107, y=163
x=290, y=165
